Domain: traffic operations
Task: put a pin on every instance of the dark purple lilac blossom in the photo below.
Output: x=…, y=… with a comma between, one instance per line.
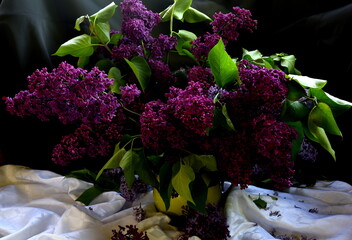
x=129, y=94
x=308, y=152
x=126, y=50
x=159, y=46
x=262, y=91
x=129, y=232
x=192, y=107
x=261, y=139
x=162, y=77
x=89, y=141
x=236, y=157
x=137, y=21
x=273, y=141
x=228, y=25
x=186, y=115
x=153, y=124
x=201, y=75
x=207, y=227
x=203, y=44
x=131, y=194
x=135, y=30
x=70, y=94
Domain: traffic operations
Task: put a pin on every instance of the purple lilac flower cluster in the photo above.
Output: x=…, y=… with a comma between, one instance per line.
x=68, y=93
x=129, y=232
x=137, y=24
x=130, y=194
x=308, y=152
x=226, y=26
x=77, y=97
x=186, y=115
x=261, y=139
x=210, y=226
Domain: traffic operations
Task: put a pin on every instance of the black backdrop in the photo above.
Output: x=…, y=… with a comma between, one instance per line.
x=317, y=32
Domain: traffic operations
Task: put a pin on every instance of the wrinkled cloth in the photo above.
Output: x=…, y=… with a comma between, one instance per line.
x=322, y=212
x=40, y=205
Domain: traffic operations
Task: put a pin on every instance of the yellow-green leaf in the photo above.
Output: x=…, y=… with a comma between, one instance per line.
x=182, y=178
x=320, y=135
x=80, y=46
x=308, y=81
x=322, y=116
x=114, y=161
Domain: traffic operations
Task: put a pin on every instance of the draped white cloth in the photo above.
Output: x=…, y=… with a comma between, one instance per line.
x=40, y=205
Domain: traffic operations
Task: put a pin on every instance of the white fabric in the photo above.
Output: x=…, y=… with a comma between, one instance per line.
x=40, y=205
x=322, y=212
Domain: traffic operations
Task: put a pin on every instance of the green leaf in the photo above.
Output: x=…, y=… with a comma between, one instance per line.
x=319, y=133
x=115, y=73
x=220, y=120
x=141, y=70
x=104, y=65
x=82, y=61
x=308, y=82
x=289, y=62
x=83, y=174
x=222, y=66
x=321, y=115
x=114, y=161
x=198, y=162
x=102, y=31
x=227, y=117
x=79, y=21
x=165, y=185
x=260, y=203
x=294, y=110
x=115, y=38
x=251, y=55
x=296, y=144
x=295, y=91
x=176, y=10
x=199, y=195
x=338, y=106
x=192, y=15
x=128, y=165
x=183, y=175
x=144, y=171
x=80, y=46
x=185, y=35
x=104, y=14
x=90, y=194
x=166, y=14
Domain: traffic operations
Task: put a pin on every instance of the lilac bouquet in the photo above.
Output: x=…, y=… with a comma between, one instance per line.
x=168, y=109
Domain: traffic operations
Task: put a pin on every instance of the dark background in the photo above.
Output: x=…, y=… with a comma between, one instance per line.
x=318, y=33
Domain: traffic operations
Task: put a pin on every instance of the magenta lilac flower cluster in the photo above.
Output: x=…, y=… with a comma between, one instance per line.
x=210, y=226
x=137, y=24
x=129, y=232
x=226, y=26
x=229, y=25
x=76, y=97
x=262, y=139
x=187, y=114
x=68, y=93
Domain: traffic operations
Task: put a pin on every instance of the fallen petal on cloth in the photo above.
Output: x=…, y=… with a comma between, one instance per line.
x=40, y=205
